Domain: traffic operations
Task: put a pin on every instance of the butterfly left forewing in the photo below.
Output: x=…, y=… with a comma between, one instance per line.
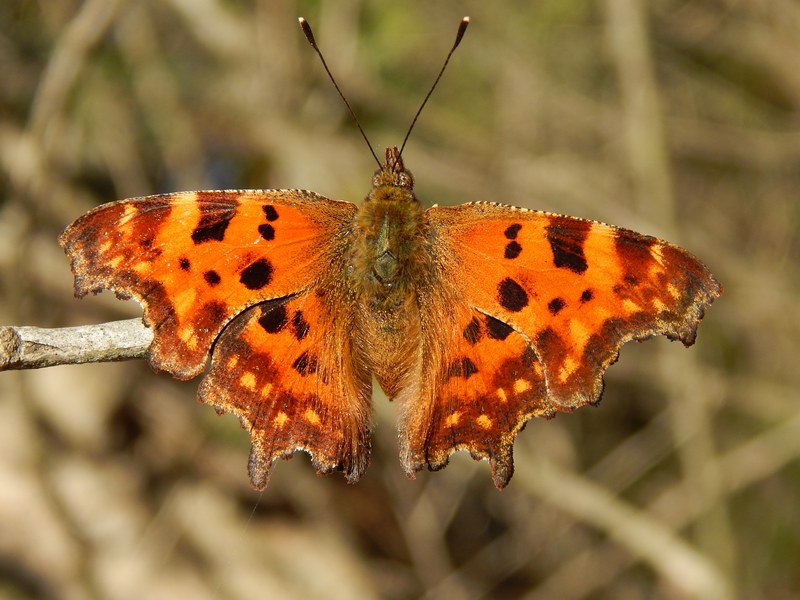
x=196, y=259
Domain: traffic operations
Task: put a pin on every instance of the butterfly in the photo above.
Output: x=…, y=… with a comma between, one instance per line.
x=475, y=318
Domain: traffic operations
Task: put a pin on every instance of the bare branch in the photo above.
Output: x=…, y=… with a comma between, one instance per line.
x=36, y=347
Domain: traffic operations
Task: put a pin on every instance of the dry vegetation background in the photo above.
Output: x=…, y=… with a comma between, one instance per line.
x=677, y=118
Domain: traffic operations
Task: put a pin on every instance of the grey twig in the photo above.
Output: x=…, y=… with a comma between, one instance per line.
x=36, y=347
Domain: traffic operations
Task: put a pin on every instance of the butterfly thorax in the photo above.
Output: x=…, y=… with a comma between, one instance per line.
x=388, y=260
x=387, y=249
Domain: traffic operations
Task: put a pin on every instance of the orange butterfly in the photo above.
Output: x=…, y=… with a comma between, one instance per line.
x=475, y=317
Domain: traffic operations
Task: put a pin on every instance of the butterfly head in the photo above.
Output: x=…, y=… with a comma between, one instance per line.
x=392, y=173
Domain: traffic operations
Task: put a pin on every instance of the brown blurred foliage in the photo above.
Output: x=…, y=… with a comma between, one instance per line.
x=676, y=118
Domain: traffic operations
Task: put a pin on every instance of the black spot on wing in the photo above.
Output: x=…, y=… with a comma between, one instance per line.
x=497, y=329
x=467, y=368
x=273, y=320
x=266, y=231
x=305, y=364
x=567, y=237
x=556, y=305
x=511, y=295
x=212, y=278
x=257, y=275
x=213, y=221
x=184, y=264
x=587, y=295
x=462, y=367
x=472, y=332
x=513, y=249
x=270, y=212
x=300, y=325
x=512, y=231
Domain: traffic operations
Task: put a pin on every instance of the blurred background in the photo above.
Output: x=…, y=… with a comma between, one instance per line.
x=676, y=118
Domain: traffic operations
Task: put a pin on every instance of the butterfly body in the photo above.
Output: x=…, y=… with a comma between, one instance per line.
x=475, y=318
x=390, y=258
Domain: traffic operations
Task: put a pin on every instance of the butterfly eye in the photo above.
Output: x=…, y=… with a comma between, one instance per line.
x=405, y=180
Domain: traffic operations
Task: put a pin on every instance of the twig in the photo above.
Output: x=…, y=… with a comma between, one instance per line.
x=645, y=141
x=67, y=61
x=36, y=347
x=642, y=535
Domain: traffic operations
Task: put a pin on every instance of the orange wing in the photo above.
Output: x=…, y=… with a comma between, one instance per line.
x=196, y=259
x=267, y=267
x=288, y=369
x=489, y=384
x=568, y=292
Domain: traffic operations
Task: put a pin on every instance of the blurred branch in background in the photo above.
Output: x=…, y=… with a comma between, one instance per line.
x=673, y=118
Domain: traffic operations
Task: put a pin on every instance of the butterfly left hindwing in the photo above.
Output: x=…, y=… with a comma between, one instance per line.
x=289, y=371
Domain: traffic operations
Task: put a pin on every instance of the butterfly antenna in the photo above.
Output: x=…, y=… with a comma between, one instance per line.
x=310, y=37
x=462, y=28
